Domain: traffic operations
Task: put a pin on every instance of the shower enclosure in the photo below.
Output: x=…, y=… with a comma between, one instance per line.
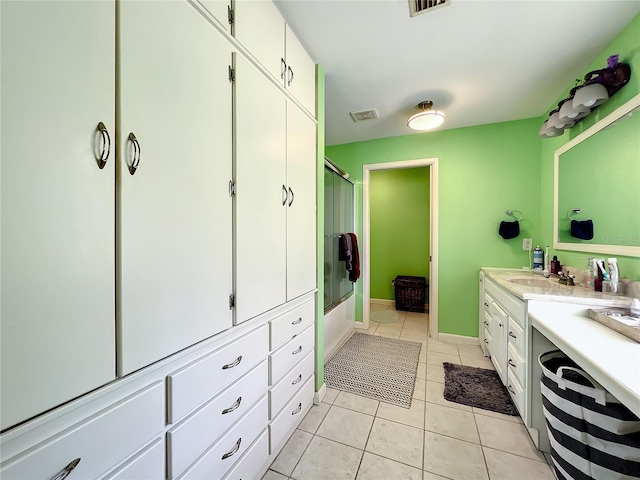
x=338, y=220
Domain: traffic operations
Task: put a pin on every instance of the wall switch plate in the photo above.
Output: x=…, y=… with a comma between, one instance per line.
x=526, y=243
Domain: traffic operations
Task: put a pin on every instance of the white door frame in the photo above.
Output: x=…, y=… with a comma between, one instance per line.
x=432, y=163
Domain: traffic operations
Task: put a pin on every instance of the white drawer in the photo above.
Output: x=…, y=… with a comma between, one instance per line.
x=514, y=306
x=516, y=338
x=517, y=393
x=488, y=300
x=290, y=416
x=291, y=323
x=100, y=442
x=221, y=456
x=517, y=365
x=148, y=464
x=195, y=433
x=291, y=353
x=195, y=383
x=282, y=392
x=250, y=466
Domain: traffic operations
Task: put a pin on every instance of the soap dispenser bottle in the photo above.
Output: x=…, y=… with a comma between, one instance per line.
x=555, y=265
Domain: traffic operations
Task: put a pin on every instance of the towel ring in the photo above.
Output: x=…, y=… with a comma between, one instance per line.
x=574, y=211
x=511, y=212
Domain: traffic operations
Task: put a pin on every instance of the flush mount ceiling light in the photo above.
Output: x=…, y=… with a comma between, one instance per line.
x=427, y=119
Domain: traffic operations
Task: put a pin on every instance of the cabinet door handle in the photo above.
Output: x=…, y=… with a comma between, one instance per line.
x=297, y=380
x=297, y=410
x=285, y=196
x=106, y=146
x=235, y=363
x=295, y=352
x=500, y=324
x=67, y=470
x=290, y=76
x=296, y=322
x=486, y=304
x=511, y=389
x=283, y=69
x=486, y=341
x=292, y=196
x=511, y=363
x=232, y=407
x=486, y=323
x=233, y=451
x=511, y=334
x=136, y=154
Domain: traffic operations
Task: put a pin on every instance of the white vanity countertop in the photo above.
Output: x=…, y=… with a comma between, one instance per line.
x=555, y=293
x=612, y=359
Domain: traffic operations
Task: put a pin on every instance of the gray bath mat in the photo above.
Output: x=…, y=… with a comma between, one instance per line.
x=477, y=387
x=376, y=367
x=384, y=316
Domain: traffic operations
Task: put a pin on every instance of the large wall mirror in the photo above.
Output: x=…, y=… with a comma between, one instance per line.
x=597, y=178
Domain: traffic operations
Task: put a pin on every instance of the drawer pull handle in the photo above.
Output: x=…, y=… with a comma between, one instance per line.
x=295, y=352
x=297, y=380
x=232, y=407
x=233, y=451
x=486, y=323
x=486, y=341
x=511, y=334
x=511, y=389
x=296, y=322
x=511, y=363
x=235, y=363
x=67, y=470
x=297, y=410
x=486, y=304
x=500, y=324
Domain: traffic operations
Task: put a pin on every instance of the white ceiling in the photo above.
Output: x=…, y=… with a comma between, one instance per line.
x=479, y=61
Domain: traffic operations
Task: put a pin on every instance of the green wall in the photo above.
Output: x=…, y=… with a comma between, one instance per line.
x=627, y=46
x=483, y=171
x=319, y=349
x=399, y=226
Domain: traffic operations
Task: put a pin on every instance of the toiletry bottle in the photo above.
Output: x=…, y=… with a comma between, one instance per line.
x=555, y=265
x=590, y=274
x=597, y=282
x=538, y=258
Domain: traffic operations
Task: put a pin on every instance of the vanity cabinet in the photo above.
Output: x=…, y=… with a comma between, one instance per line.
x=259, y=27
x=503, y=323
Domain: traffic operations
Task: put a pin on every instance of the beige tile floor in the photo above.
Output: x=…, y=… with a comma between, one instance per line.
x=352, y=437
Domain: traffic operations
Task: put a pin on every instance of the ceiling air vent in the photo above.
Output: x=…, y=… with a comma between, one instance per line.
x=363, y=115
x=418, y=7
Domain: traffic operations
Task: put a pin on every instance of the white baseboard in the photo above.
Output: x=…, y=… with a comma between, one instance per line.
x=382, y=301
x=451, y=338
x=319, y=395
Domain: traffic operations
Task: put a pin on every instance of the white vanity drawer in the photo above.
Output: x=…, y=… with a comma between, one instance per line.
x=291, y=323
x=488, y=300
x=517, y=365
x=100, y=442
x=517, y=393
x=193, y=384
x=514, y=306
x=290, y=416
x=287, y=356
x=250, y=465
x=282, y=392
x=516, y=338
x=148, y=464
x=221, y=456
x=195, y=433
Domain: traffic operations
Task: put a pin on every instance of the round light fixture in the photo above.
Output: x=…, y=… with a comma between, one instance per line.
x=427, y=119
x=547, y=131
x=590, y=96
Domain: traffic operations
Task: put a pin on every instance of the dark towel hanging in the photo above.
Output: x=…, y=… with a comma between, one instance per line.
x=354, y=273
x=582, y=229
x=509, y=230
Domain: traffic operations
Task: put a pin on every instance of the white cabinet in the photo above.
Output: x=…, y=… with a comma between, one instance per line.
x=498, y=345
x=220, y=10
x=174, y=210
x=262, y=30
x=58, y=240
x=275, y=196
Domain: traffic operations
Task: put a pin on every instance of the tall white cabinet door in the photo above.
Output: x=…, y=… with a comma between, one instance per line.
x=174, y=212
x=57, y=328
x=301, y=80
x=261, y=199
x=260, y=28
x=301, y=210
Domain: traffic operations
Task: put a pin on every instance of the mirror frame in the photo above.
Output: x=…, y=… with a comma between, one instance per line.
x=626, y=250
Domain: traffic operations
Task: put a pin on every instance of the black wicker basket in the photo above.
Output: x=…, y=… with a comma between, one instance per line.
x=410, y=293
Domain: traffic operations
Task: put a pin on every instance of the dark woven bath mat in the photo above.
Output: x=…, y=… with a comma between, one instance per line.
x=477, y=387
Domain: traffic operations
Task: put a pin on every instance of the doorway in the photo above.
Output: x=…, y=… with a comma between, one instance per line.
x=432, y=163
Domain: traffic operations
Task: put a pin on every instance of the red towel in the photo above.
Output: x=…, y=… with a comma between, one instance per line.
x=354, y=273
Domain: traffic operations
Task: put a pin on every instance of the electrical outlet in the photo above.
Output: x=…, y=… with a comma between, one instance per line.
x=526, y=243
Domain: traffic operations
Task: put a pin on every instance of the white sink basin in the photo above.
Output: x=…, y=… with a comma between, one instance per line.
x=534, y=282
